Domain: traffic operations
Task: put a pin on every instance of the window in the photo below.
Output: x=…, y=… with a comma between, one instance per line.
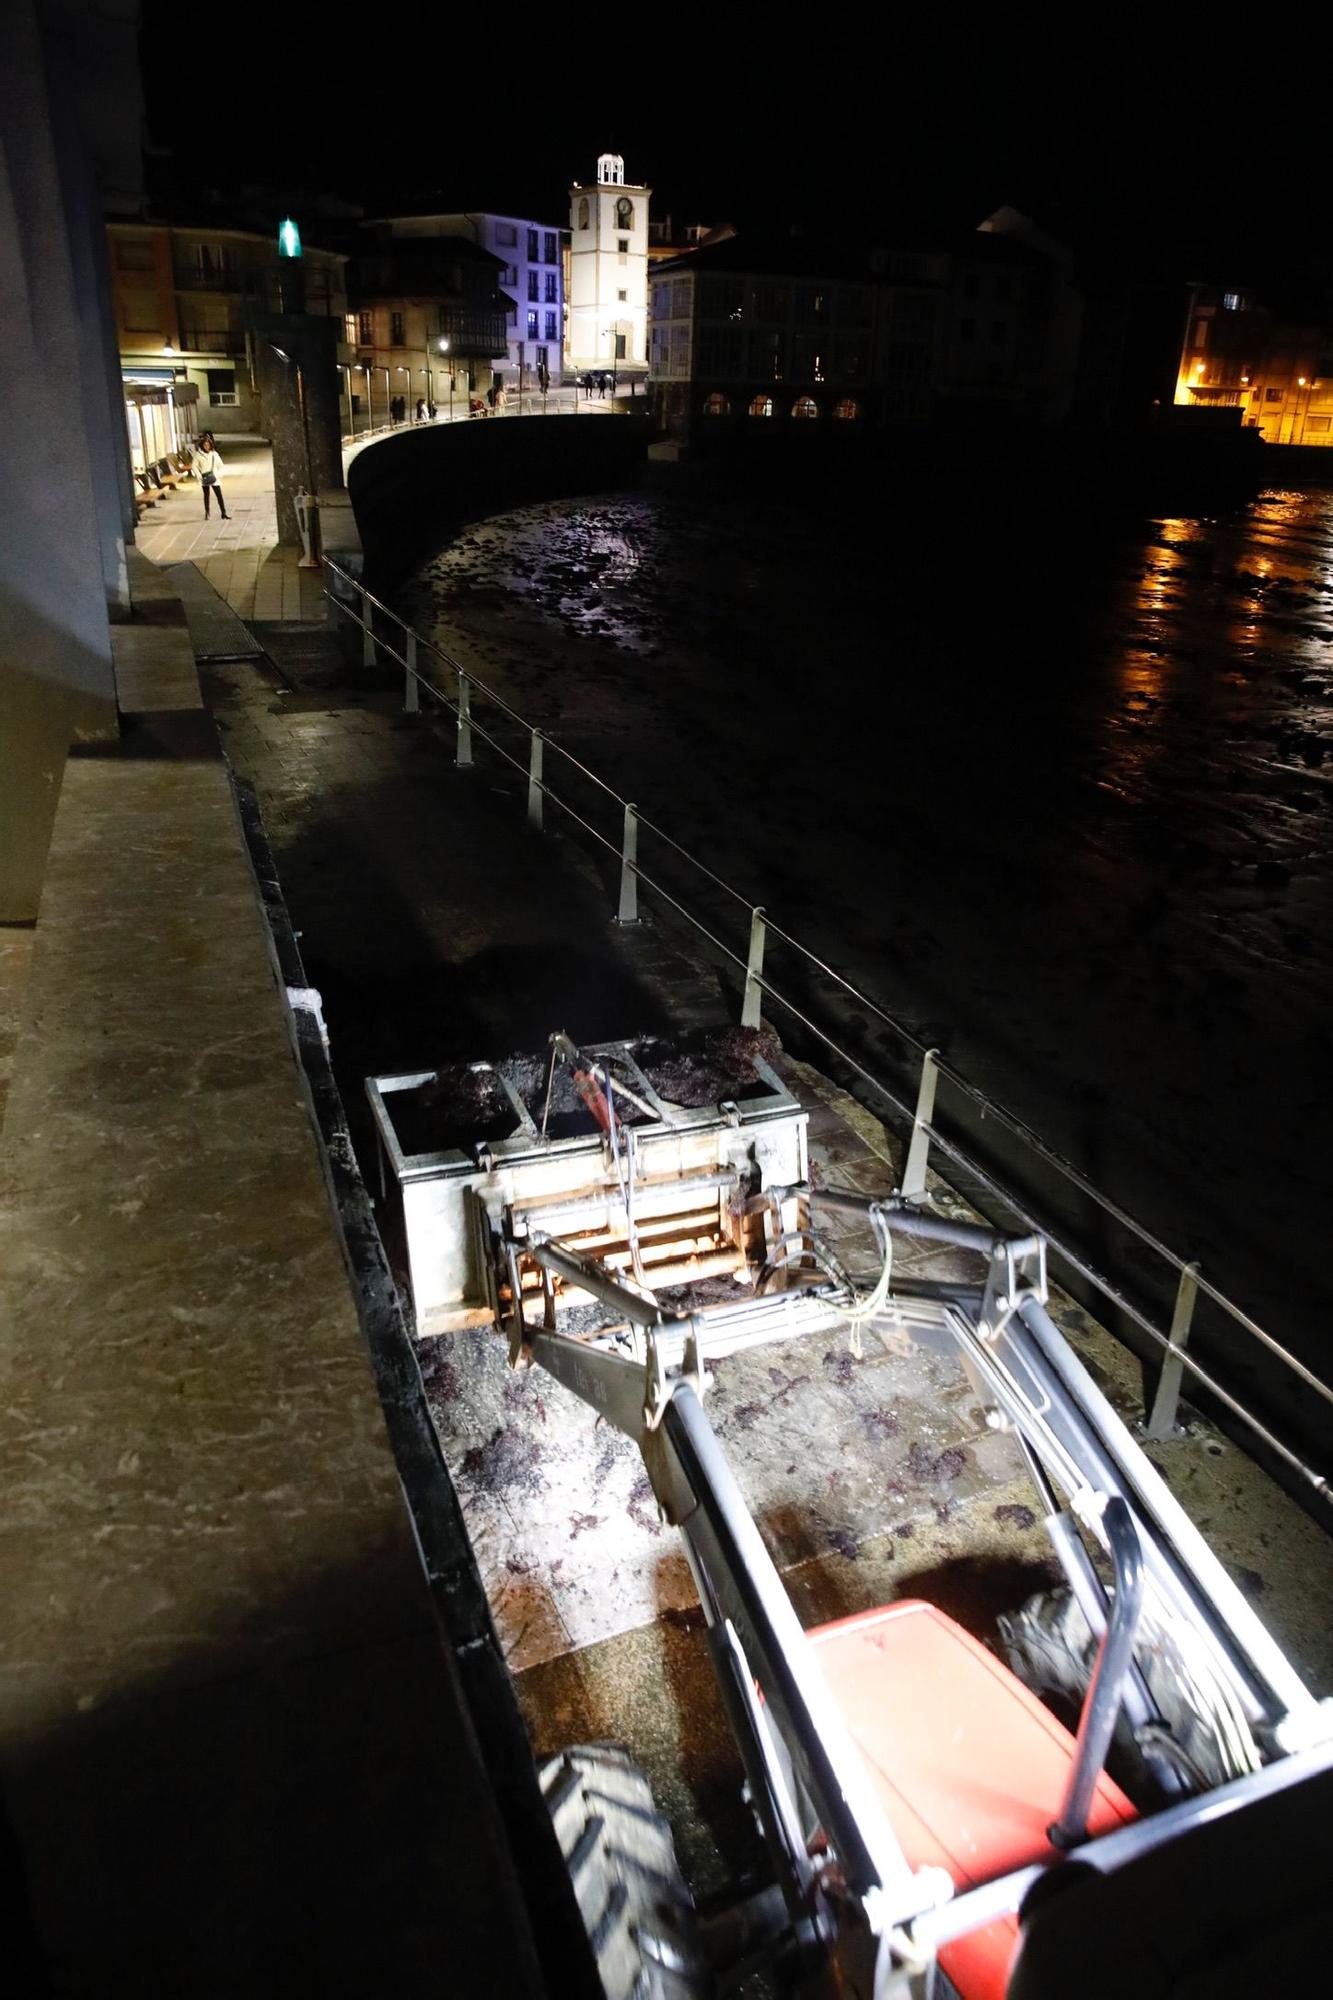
x=846, y=408
x=506, y=233
x=552, y=330
x=532, y=326
x=221, y=382
x=583, y=213
x=622, y=245
x=552, y=288
x=620, y=346
x=549, y=249
x=365, y=329
x=1231, y=302
x=133, y=254
x=532, y=246
x=532, y=286
x=397, y=338
x=805, y=406
x=762, y=406
x=543, y=357
x=349, y=329
x=1273, y=395
x=622, y=296
x=1318, y=423
x=716, y=405
x=624, y=213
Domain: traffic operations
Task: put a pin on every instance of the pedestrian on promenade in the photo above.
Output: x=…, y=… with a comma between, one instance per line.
x=208, y=464
x=421, y=409
x=585, y=382
x=430, y=411
x=490, y=397
x=601, y=383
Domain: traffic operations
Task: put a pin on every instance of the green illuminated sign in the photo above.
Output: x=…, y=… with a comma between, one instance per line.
x=289, y=239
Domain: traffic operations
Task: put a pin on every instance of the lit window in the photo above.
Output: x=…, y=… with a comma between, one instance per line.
x=762, y=406
x=717, y=405
x=805, y=406
x=532, y=326
x=1231, y=302
x=846, y=408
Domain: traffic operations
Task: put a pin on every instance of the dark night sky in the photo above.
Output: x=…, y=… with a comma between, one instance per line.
x=1170, y=158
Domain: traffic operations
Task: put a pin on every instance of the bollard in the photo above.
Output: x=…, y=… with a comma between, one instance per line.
x=628, y=913
x=535, y=782
x=464, y=758
x=367, y=631
x=411, y=685
x=918, y=1152
x=1166, y=1402
x=752, y=1003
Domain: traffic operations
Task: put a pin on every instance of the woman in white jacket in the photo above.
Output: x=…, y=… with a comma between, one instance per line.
x=208, y=464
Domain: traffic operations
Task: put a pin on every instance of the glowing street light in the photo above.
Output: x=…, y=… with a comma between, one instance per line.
x=289, y=238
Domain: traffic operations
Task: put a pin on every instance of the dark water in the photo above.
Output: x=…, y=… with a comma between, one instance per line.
x=1056, y=787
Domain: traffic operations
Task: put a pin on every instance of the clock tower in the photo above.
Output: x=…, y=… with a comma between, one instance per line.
x=608, y=273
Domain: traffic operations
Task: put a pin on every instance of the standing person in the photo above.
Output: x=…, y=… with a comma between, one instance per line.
x=208, y=464
x=421, y=409
x=601, y=382
x=430, y=411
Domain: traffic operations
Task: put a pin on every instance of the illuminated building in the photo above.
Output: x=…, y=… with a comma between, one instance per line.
x=1277, y=375
x=532, y=280
x=426, y=318
x=608, y=273
x=184, y=299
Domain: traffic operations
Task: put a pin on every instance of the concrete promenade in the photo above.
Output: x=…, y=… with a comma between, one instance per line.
x=233, y=1754
x=241, y=556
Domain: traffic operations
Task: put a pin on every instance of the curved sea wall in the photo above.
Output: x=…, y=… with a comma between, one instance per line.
x=411, y=491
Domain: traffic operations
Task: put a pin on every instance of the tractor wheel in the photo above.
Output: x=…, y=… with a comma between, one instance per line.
x=636, y=1909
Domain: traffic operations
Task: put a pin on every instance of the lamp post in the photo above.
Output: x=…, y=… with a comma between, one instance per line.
x=403, y=370
x=444, y=349
x=388, y=412
x=346, y=367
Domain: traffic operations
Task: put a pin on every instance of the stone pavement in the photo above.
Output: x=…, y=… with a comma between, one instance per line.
x=241, y=556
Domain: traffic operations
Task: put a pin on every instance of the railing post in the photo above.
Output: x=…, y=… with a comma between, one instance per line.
x=411, y=685
x=464, y=757
x=1165, y=1403
x=367, y=631
x=628, y=913
x=535, y=782
x=752, y=1003
x=918, y=1151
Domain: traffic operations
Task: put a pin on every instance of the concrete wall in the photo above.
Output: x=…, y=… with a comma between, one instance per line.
x=63, y=448
x=412, y=490
x=311, y=341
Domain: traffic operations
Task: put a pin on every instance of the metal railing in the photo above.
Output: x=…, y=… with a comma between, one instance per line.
x=915, y=1110
x=561, y=401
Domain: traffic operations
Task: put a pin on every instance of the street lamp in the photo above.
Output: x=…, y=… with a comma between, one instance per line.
x=402, y=369
x=364, y=366
x=346, y=367
x=444, y=349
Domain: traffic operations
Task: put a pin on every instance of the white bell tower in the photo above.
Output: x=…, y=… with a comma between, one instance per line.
x=608, y=273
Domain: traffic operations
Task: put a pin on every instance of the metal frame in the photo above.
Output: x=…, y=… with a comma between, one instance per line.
x=858, y=1893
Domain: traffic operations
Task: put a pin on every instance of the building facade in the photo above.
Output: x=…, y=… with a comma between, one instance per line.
x=608, y=274
x=426, y=322
x=532, y=278
x=1010, y=328
x=185, y=301
x=1277, y=375
x=749, y=332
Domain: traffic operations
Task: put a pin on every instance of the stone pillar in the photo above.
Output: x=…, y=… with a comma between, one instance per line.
x=61, y=500
x=313, y=451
